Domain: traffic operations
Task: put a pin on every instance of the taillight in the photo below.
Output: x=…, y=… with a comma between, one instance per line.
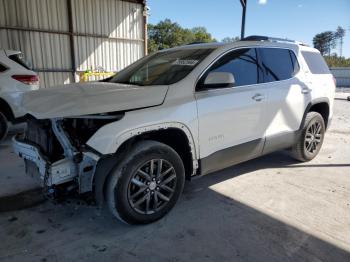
x=27, y=79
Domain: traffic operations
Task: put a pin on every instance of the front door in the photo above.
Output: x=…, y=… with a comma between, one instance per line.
x=231, y=119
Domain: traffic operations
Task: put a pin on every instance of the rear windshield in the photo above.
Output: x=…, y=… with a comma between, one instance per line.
x=20, y=59
x=163, y=68
x=315, y=62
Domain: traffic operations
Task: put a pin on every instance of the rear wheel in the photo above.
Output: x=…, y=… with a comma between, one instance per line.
x=3, y=126
x=311, y=139
x=146, y=184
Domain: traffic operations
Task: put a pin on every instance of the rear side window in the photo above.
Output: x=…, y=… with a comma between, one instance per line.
x=315, y=62
x=2, y=68
x=278, y=64
x=20, y=59
x=242, y=63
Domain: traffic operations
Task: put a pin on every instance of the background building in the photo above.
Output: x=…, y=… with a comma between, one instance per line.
x=64, y=37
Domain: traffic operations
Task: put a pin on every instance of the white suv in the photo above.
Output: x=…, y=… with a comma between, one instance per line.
x=133, y=139
x=15, y=78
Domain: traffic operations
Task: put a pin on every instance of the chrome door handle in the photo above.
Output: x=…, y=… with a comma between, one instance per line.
x=306, y=90
x=258, y=97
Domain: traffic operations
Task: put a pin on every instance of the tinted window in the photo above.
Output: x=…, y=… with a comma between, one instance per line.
x=315, y=62
x=163, y=68
x=20, y=59
x=241, y=63
x=278, y=64
x=2, y=68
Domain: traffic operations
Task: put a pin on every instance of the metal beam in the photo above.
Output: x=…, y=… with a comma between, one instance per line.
x=18, y=28
x=244, y=9
x=71, y=37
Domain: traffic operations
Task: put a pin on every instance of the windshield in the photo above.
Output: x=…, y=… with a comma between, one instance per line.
x=163, y=68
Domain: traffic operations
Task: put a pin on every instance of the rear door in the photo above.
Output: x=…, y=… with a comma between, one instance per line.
x=231, y=119
x=288, y=95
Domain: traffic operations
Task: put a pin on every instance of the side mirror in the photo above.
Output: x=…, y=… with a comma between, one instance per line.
x=219, y=79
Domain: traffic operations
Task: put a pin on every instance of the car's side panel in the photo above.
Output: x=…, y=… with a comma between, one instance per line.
x=230, y=117
x=110, y=137
x=231, y=156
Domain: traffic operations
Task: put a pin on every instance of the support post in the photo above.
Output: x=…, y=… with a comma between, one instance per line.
x=244, y=9
x=71, y=37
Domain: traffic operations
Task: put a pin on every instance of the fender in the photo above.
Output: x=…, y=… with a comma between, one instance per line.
x=312, y=103
x=106, y=164
x=146, y=129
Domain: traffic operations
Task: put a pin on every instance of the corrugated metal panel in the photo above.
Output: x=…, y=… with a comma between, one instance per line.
x=40, y=14
x=119, y=23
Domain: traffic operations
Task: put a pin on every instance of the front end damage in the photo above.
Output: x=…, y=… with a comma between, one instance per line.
x=56, y=154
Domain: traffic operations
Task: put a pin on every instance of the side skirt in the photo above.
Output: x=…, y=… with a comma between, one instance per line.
x=247, y=151
x=231, y=156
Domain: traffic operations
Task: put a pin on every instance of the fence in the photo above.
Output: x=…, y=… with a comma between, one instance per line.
x=342, y=75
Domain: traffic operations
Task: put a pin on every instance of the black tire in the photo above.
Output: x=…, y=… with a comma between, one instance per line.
x=3, y=126
x=133, y=175
x=311, y=138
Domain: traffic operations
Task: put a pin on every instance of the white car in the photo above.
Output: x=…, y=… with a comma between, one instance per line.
x=134, y=139
x=15, y=78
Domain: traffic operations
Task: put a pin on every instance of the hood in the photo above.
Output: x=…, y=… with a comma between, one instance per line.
x=90, y=98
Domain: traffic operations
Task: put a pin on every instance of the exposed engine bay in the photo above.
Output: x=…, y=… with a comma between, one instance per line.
x=56, y=150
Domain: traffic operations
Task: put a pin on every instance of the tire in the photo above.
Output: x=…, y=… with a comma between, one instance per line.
x=135, y=194
x=311, y=138
x=3, y=126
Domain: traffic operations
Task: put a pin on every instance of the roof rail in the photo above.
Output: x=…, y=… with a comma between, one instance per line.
x=268, y=38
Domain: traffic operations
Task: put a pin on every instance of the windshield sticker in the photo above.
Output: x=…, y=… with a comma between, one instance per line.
x=185, y=62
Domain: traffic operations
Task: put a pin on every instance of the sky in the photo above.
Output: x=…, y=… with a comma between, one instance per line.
x=294, y=19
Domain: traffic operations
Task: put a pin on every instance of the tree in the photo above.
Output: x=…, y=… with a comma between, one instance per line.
x=339, y=35
x=167, y=34
x=230, y=39
x=324, y=42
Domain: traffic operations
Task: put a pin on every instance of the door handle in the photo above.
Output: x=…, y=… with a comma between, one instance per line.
x=258, y=97
x=306, y=90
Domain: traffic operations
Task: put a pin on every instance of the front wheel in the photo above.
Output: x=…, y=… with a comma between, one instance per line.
x=146, y=184
x=311, y=139
x=3, y=126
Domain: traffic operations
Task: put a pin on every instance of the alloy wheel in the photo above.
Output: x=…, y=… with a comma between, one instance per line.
x=313, y=137
x=152, y=186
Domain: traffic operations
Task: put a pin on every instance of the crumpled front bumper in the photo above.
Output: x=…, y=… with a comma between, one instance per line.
x=50, y=174
x=30, y=152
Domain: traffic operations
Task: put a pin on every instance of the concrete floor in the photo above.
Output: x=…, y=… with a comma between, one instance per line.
x=268, y=209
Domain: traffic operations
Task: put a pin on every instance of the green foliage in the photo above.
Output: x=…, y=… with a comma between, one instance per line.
x=328, y=40
x=324, y=42
x=167, y=34
x=336, y=61
x=230, y=39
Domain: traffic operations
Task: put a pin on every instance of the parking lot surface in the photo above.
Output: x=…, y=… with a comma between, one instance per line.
x=268, y=209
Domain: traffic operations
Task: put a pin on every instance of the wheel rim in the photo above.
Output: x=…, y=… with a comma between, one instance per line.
x=313, y=137
x=152, y=186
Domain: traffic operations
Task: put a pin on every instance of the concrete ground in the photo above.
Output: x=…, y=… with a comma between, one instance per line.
x=12, y=172
x=268, y=209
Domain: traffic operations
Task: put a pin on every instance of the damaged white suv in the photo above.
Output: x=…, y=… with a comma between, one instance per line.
x=132, y=140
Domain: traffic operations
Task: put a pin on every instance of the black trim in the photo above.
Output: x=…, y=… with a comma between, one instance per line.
x=231, y=156
x=312, y=103
x=281, y=141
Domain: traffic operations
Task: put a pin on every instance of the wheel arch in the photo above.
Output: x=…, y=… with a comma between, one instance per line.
x=175, y=135
x=6, y=110
x=321, y=106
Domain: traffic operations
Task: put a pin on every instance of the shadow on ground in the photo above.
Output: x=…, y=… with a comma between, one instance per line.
x=204, y=226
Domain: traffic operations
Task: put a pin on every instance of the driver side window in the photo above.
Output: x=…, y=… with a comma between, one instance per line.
x=242, y=64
